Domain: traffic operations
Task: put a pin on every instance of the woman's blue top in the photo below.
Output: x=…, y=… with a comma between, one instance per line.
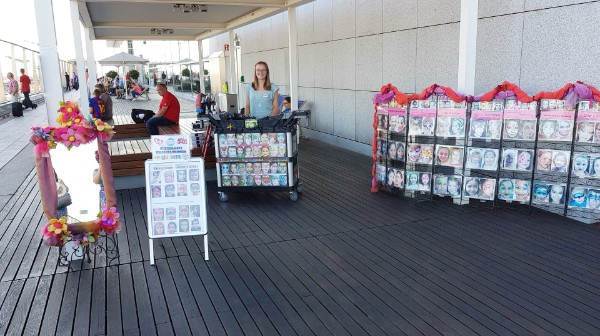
x=261, y=102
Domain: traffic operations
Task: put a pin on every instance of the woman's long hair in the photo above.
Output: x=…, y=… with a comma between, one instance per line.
x=267, y=79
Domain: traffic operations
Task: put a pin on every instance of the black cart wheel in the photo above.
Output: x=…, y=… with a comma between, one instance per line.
x=300, y=187
x=223, y=197
x=293, y=196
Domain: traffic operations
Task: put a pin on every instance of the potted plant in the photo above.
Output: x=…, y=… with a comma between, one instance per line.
x=134, y=74
x=112, y=74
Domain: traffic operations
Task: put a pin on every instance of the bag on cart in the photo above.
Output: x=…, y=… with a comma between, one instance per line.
x=17, y=109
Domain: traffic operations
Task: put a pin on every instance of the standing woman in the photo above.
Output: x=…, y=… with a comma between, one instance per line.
x=262, y=96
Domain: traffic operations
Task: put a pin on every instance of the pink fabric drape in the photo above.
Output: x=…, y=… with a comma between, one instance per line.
x=107, y=174
x=47, y=183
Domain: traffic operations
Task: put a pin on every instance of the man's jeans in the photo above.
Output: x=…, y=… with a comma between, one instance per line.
x=153, y=123
x=27, y=102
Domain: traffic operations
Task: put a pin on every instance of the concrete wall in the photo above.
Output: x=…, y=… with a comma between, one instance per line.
x=349, y=48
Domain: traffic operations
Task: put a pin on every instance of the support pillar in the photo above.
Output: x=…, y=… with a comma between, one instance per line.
x=2, y=76
x=83, y=89
x=293, y=56
x=233, y=84
x=91, y=61
x=35, y=80
x=467, y=46
x=201, y=64
x=14, y=60
x=50, y=67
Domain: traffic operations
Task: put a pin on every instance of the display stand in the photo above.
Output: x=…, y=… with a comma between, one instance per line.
x=176, y=200
x=257, y=155
x=381, y=164
x=395, y=157
x=584, y=175
x=553, y=152
x=517, y=153
x=420, y=148
x=450, y=147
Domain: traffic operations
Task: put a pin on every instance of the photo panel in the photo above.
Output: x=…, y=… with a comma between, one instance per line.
x=584, y=165
x=556, y=121
x=420, y=153
x=479, y=188
x=416, y=180
x=517, y=159
x=520, y=120
x=422, y=117
x=395, y=178
x=397, y=118
x=588, y=122
x=514, y=190
x=451, y=156
x=549, y=193
x=447, y=185
x=396, y=150
x=380, y=174
x=451, y=119
x=482, y=158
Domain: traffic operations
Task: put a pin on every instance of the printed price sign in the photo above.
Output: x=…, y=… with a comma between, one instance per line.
x=171, y=147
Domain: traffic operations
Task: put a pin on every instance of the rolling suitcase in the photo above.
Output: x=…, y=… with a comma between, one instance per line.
x=17, y=109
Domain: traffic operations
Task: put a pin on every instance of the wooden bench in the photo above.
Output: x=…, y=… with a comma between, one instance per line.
x=128, y=156
x=125, y=127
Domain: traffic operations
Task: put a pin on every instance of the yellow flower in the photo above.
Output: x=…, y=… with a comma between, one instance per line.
x=51, y=144
x=50, y=228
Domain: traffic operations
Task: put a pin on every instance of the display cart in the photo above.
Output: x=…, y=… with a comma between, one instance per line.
x=257, y=154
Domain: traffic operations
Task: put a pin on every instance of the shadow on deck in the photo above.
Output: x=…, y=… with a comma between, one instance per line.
x=339, y=261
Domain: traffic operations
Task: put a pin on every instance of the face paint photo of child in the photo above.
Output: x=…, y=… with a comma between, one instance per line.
x=560, y=161
x=506, y=189
x=426, y=154
x=440, y=185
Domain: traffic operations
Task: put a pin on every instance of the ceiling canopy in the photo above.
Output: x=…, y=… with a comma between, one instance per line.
x=173, y=19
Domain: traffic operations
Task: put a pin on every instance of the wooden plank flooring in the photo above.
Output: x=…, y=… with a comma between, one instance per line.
x=340, y=261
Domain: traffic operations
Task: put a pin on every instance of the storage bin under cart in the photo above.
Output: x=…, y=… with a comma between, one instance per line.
x=256, y=155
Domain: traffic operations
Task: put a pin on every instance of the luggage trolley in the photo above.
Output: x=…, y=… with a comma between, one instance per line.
x=257, y=154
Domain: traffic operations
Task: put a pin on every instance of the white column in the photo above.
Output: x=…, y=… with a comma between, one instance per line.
x=83, y=89
x=50, y=68
x=35, y=86
x=467, y=46
x=14, y=60
x=201, y=64
x=293, y=51
x=233, y=84
x=91, y=61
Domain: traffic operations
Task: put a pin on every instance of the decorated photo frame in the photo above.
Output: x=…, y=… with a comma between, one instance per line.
x=74, y=130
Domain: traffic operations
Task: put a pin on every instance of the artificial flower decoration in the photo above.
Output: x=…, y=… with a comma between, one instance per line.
x=109, y=220
x=56, y=232
x=74, y=130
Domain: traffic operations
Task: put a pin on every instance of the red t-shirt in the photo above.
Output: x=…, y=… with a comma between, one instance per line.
x=25, y=81
x=168, y=99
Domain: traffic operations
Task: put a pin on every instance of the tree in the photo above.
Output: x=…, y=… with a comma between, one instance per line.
x=134, y=74
x=185, y=72
x=112, y=74
x=205, y=72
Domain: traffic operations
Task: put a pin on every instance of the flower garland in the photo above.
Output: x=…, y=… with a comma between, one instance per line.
x=74, y=130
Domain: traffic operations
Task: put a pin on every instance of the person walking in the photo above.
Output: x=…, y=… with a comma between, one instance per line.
x=25, y=88
x=68, y=81
x=168, y=113
x=262, y=96
x=13, y=91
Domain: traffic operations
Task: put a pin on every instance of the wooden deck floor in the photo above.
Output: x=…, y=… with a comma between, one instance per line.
x=340, y=261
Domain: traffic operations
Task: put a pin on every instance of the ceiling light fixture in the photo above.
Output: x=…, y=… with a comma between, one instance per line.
x=161, y=31
x=190, y=8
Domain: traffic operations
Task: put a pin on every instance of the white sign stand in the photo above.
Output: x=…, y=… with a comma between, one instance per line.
x=176, y=200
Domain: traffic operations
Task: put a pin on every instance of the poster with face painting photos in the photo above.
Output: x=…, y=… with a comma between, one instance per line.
x=520, y=120
x=556, y=161
x=479, y=188
x=586, y=165
x=556, y=121
x=447, y=185
x=517, y=159
x=486, y=120
x=416, y=180
x=176, y=200
x=482, y=158
x=451, y=119
x=422, y=117
x=397, y=118
x=514, y=190
x=588, y=122
x=395, y=178
x=584, y=198
x=420, y=153
x=549, y=193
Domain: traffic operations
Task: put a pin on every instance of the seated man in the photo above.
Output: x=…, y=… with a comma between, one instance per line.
x=97, y=107
x=168, y=113
x=136, y=91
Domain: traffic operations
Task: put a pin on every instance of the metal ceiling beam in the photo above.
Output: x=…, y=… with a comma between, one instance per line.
x=173, y=25
x=146, y=37
x=252, y=3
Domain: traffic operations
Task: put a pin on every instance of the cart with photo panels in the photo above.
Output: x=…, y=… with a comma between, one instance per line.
x=256, y=154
